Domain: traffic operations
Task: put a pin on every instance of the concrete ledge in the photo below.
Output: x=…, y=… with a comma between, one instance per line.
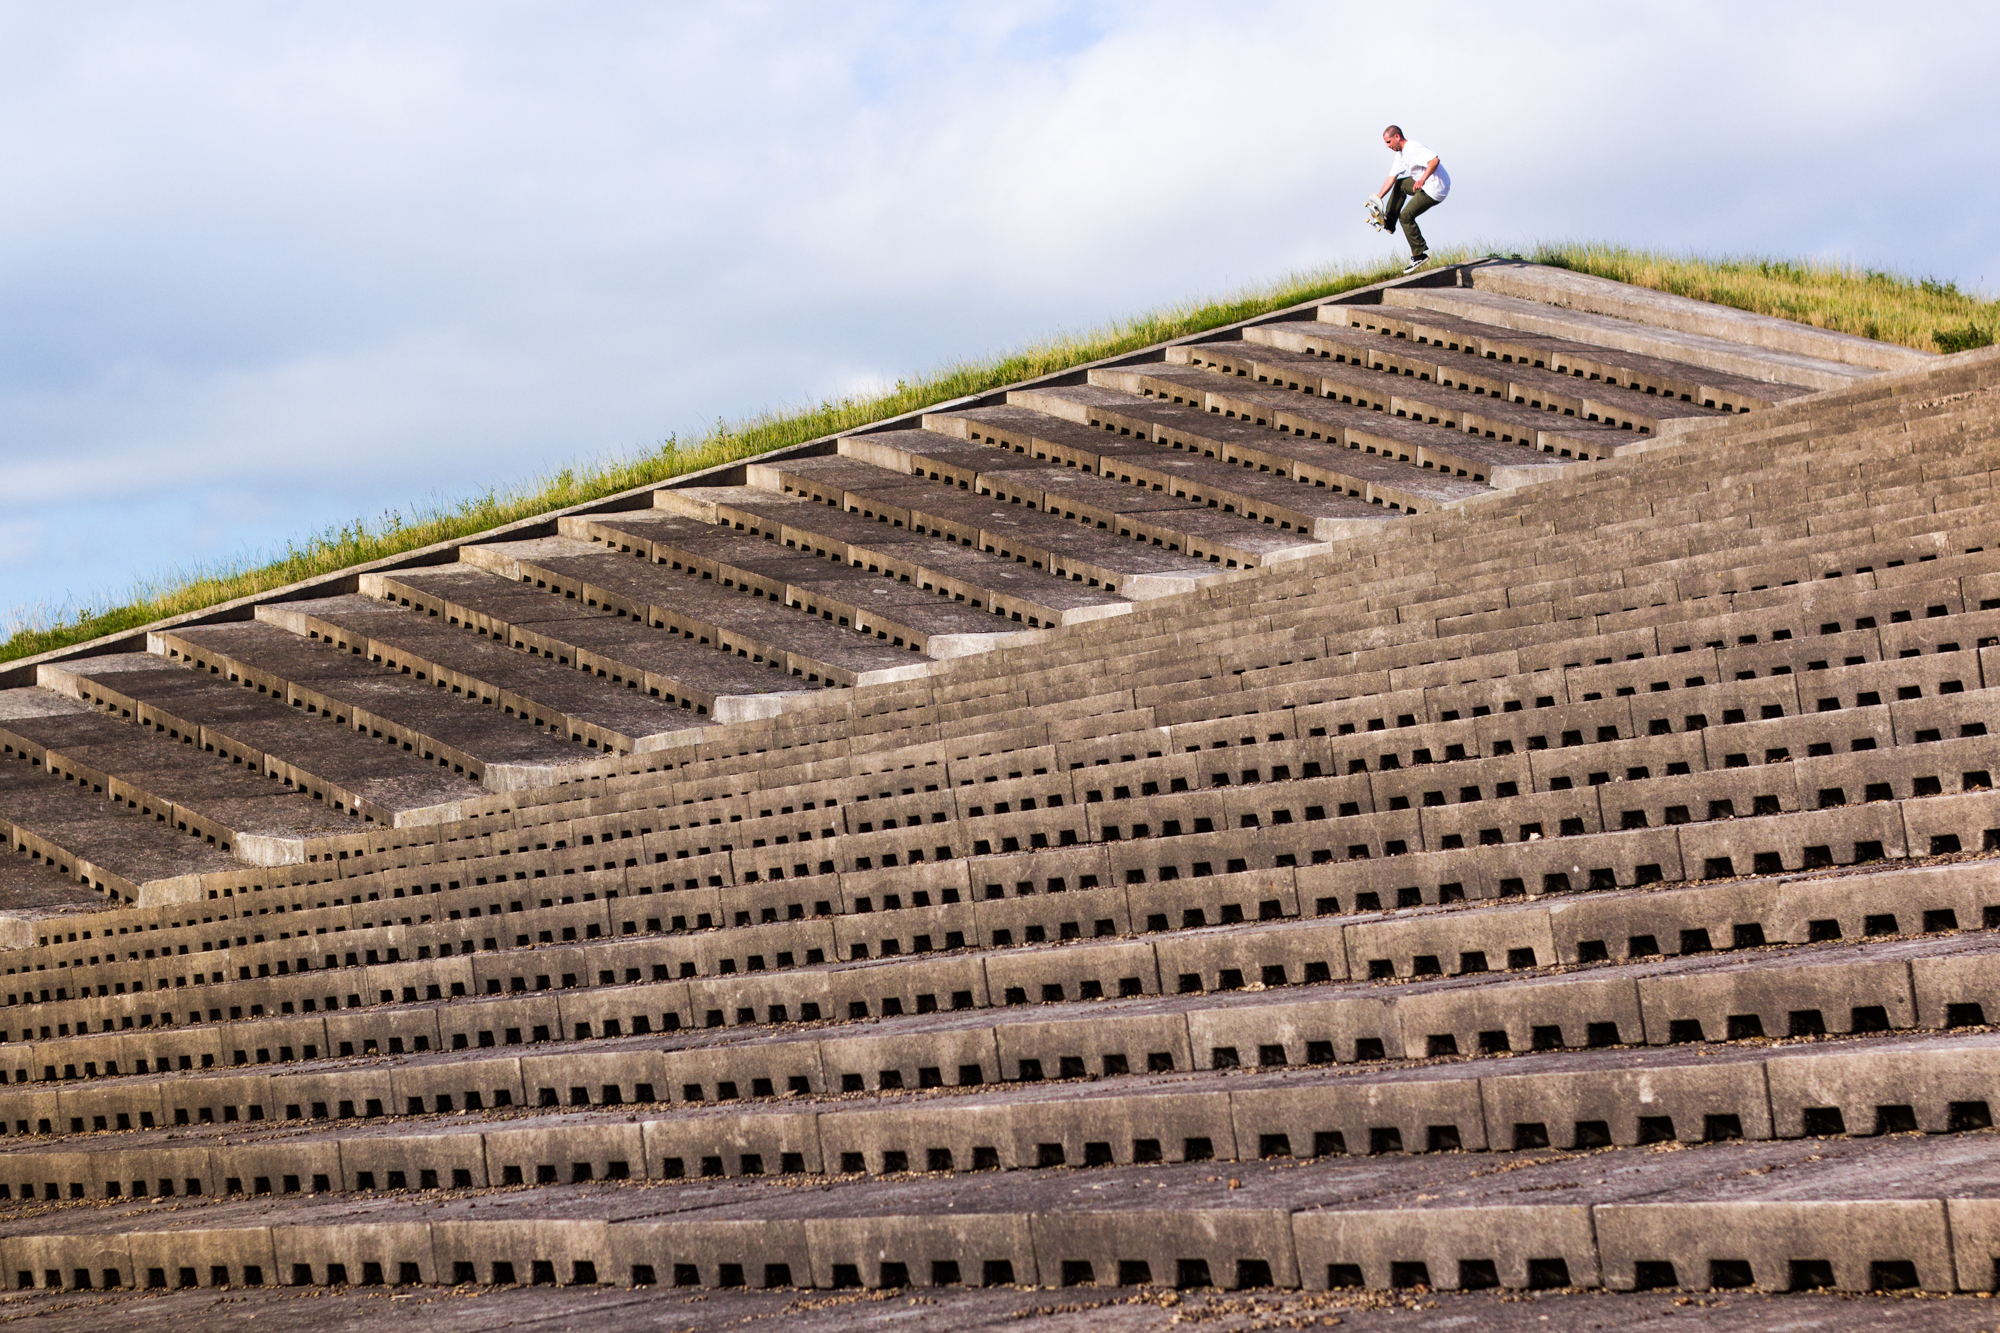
x=1862, y=1245
x=1450, y=1249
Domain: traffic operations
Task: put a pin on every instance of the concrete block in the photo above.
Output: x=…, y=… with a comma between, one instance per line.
x=389, y=1161
x=928, y=1251
x=160, y=1170
x=367, y=1253
x=457, y=1085
x=390, y=1030
x=203, y=1257
x=1724, y=848
x=951, y=1057
x=1975, y=1242
x=1538, y=1014
x=508, y=1252
x=1955, y=990
x=1122, y=1129
x=1969, y=822
x=789, y=996
x=125, y=1104
x=1100, y=970
x=560, y=1152
x=280, y=1166
x=1357, y=1118
x=901, y=930
x=1228, y=1248
x=1036, y=916
x=904, y=986
x=48, y=1109
x=1753, y=998
x=1252, y=957
x=220, y=1100
x=72, y=1262
x=1856, y=1239
x=1255, y=895
x=336, y=1094
x=1937, y=1087
x=1590, y=1108
x=1355, y=1027
x=730, y=1070
x=1109, y=1043
x=1451, y=943
x=715, y=1253
x=1541, y=1245
x=928, y=1136
x=616, y=1011
x=1667, y=921
x=1893, y=902
x=760, y=1143
x=1599, y=860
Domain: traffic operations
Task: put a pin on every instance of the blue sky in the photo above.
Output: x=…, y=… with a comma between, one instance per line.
x=266, y=268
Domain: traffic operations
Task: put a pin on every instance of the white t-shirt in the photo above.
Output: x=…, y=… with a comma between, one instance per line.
x=1412, y=160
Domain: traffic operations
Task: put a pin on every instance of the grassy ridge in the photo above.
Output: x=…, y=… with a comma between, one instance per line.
x=1928, y=315
x=1923, y=314
x=360, y=542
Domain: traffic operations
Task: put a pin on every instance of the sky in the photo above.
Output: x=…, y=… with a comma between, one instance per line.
x=270, y=268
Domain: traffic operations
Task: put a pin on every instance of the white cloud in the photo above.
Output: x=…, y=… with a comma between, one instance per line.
x=328, y=260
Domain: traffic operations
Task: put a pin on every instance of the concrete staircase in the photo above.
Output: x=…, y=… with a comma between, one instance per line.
x=1320, y=805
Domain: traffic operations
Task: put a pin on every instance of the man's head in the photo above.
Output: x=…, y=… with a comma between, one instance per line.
x=1393, y=136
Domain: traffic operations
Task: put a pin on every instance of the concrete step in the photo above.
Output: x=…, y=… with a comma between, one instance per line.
x=1579, y=1100
x=1038, y=539
x=1376, y=455
x=1644, y=305
x=229, y=806
x=1631, y=372
x=1669, y=994
x=1694, y=349
x=902, y=552
x=597, y=716
x=1435, y=883
x=701, y=680
x=37, y=899
x=1157, y=506
x=1263, y=496
x=347, y=771
x=1541, y=431
x=1523, y=385
x=870, y=596
x=1138, y=495
x=807, y=647
x=81, y=837
x=322, y=680
x=1866, y=1216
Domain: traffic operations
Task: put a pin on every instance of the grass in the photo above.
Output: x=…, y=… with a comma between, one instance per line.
x=1920, y=313
x=1923, y=313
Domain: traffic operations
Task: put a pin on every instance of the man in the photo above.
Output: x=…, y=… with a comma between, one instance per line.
x=1417, y=183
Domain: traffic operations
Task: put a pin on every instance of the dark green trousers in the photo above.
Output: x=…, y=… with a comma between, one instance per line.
x=1405, y=206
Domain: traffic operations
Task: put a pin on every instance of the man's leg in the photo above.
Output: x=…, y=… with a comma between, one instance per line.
x=1418, y=204
x=1392, y=206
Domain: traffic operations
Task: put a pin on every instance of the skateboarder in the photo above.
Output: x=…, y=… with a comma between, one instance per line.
x=1417, y=183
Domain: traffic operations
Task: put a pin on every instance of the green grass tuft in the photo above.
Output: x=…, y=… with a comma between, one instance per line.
x=1962, y=340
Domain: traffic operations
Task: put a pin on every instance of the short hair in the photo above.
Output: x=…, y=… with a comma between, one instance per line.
x=1396, y=130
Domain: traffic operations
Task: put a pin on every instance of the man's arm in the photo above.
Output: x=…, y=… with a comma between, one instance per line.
x=1423, y=175
x=1387, y=181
